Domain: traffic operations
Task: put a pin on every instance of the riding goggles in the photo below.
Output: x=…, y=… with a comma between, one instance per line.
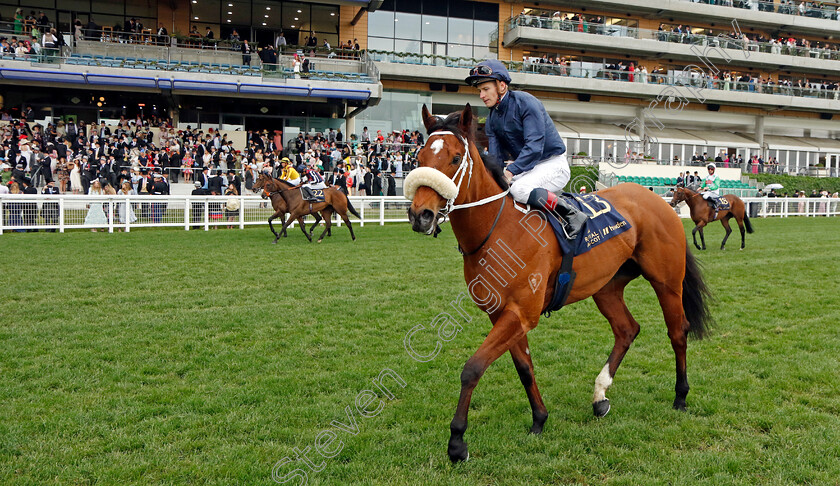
x=481, y=70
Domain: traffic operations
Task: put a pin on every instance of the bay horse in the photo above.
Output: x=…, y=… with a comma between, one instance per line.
x=335, y=201
x=453, y=181
x=280, y=207
x=702, y=213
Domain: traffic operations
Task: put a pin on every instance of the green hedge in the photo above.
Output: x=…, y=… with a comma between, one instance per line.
x=799, y=183
x=582, y=176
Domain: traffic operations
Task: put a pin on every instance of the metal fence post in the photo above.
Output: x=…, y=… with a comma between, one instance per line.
x=2, y=217
x=362, y=213
x=187, y=213
x=206, y=215
x=241, y=212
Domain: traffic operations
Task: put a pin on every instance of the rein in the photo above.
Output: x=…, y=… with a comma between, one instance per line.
x=486, y=238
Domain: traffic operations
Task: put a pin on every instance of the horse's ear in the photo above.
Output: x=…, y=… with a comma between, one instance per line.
x=466, y=120
x=428, y=119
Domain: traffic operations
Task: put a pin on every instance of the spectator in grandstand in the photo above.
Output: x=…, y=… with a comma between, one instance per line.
x=246, y=52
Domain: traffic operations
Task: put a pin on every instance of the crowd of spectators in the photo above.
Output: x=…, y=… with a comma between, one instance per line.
x=75, y=155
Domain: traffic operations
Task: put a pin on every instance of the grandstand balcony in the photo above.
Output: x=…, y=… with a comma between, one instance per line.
x=157, y=65
x=765, y=14
x=671, y=88
x=722, y=51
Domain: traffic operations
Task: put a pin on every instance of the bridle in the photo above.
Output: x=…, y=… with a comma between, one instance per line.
x=465, y=170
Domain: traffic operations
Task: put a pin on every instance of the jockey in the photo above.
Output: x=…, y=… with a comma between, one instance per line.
x=519, y=129
x=314, y=179
x=288, y=173
x=712, y=184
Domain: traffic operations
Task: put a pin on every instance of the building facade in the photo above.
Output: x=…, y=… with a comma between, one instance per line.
x=662, y=80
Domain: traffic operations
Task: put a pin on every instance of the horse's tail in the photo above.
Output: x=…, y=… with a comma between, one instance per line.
x=747, y=222
x=696, y=296
x=352, y=209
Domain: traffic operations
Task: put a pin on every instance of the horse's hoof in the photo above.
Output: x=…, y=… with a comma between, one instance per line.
x=679, y=405
x=319, y=241
x=274, y=242
x=458, y=453
x=602, y=408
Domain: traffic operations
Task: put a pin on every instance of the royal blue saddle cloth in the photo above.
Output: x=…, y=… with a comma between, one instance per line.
x=723, y=204
x=312, y=195
x=604, y=222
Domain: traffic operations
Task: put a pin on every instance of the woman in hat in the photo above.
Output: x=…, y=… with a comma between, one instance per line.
x=519, y=129
x=124, y=209
x=18, y=21
x=75, y=177
x=96, y=215
x=232, y=204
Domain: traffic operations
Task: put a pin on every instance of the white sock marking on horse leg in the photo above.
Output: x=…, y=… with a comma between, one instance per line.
x=602, y=383
x=437, y=145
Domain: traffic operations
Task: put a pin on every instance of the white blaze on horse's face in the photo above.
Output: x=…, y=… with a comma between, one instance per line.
x=437, y=146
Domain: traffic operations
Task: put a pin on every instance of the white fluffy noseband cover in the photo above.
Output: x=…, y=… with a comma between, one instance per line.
x=427, y=176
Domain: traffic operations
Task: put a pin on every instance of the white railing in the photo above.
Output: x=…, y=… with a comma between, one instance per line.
x=782, y=207
x=24, y=212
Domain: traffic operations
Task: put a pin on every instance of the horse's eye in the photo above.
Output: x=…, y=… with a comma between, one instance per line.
x=456, y=160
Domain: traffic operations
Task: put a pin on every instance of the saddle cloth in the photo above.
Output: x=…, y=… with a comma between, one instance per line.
x=604, y=222
x=722, y=204
x=312, y=195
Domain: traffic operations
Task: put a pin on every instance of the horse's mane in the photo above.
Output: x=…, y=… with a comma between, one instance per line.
x=451, y=123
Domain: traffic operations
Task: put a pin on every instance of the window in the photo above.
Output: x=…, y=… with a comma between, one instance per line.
x=460, y=31
x=407, y=26
x=381, y=23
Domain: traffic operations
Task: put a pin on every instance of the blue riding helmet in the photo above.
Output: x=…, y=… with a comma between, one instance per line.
x=487, y=70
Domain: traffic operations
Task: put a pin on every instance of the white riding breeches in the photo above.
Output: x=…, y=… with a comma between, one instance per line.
x=552, y=174
x=710, y=195
x=294, y=182
x=316, y=185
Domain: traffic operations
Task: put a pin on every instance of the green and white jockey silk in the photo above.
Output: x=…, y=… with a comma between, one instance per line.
x=712, y=183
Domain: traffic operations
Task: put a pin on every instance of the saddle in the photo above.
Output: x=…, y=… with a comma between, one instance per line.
x=312, y=195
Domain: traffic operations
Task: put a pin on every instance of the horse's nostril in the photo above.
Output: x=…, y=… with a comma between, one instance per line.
x=427, y=215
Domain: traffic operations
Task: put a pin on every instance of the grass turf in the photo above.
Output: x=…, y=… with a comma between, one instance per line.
x=172, y=357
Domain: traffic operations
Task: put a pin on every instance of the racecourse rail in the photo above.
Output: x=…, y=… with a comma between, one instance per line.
x=67, y=211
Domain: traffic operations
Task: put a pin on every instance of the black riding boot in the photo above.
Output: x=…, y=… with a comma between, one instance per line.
x=550, y=202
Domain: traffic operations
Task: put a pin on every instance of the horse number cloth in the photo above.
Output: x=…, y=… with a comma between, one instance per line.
x=312, y=195
x=604, y=222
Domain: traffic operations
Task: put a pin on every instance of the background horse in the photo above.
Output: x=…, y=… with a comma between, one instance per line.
x=334, y=202
x=280, y=207
x=702, y=213
x=511, y=261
